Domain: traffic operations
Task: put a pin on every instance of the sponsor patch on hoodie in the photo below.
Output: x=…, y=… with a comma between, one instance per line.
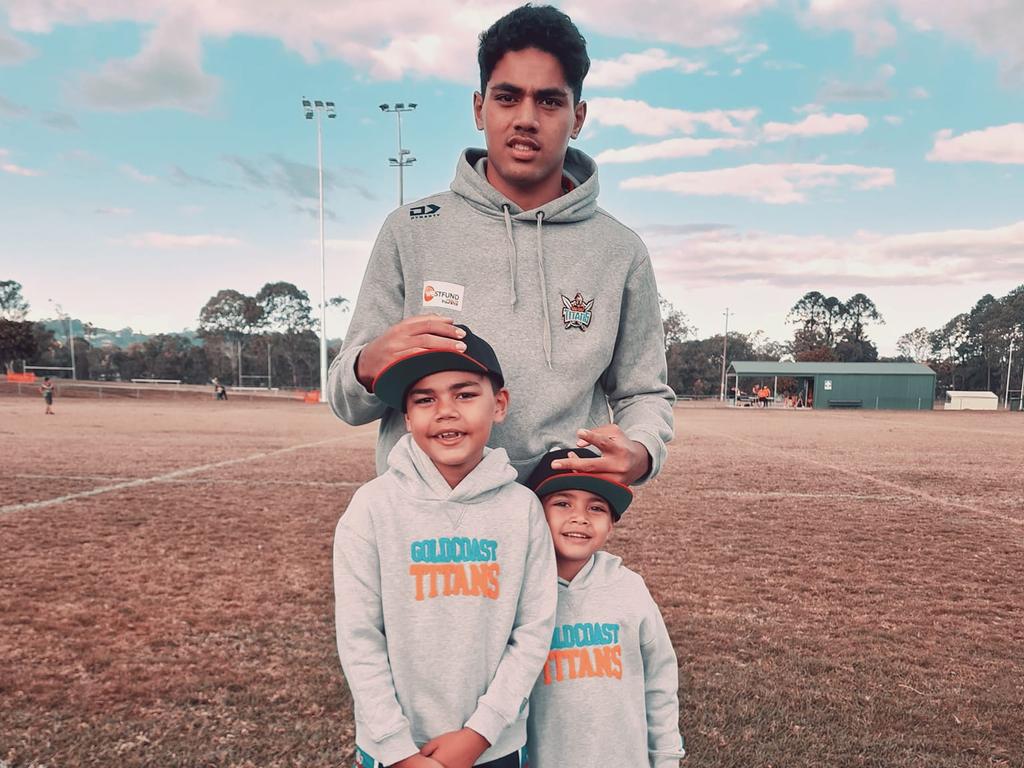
x=438, y=294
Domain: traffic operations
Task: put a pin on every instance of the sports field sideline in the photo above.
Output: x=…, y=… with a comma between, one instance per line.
x=843, y=589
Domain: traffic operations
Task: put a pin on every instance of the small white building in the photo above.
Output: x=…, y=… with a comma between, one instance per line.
x=962, y=400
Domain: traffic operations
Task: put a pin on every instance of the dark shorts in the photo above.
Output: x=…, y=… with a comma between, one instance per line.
x=48, y=397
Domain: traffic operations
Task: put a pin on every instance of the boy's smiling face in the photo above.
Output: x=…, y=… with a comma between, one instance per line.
x=580, y=523
x=450, y=415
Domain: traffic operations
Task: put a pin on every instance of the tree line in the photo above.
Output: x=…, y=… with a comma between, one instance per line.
x=971, y=351
x=269, y=338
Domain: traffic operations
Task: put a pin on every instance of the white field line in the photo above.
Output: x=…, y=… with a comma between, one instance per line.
x=193, y=481
x=169, y=476
x=888, y=483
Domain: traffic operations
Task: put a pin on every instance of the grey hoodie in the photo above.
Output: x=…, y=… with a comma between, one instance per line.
x=445, y=602
x=608, y=694
x=564, y=293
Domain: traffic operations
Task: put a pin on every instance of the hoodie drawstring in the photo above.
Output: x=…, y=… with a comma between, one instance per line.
x=513, y=257
x=543, y=288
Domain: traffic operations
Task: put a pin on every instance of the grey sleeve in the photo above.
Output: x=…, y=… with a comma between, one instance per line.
x=636, y=381
x=661, y=691
x=527, y=649
x=380, y=305
x=362, y=648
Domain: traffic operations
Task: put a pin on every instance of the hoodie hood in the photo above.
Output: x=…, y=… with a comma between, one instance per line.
x=602, y=569
x=578, y=204
x=421, y=480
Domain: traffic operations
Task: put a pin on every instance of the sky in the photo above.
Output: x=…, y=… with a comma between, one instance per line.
x=153, y=152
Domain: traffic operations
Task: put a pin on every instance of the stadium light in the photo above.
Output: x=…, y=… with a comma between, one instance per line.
x=402, y=160
x=725, y=350
x=71, y=341
x=310, y=110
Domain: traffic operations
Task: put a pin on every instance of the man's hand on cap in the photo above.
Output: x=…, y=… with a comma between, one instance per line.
x=413, y=334
x=622, y=460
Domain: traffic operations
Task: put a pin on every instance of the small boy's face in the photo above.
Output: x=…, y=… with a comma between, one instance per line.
x=450, y=415
x=580, y=523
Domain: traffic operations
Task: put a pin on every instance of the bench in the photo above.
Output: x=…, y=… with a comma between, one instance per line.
x=845, y=403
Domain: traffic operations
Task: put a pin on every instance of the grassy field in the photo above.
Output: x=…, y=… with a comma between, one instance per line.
x=843, y=589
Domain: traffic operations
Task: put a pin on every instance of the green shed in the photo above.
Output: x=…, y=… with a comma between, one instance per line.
x=895, y=386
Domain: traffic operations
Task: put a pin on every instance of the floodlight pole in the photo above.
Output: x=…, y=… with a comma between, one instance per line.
x=1009, y=372
x=311, y=109
x=403, y=158
x=71, y=338
x=725, y=349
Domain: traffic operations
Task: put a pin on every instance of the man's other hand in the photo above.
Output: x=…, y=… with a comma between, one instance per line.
x=622, y=460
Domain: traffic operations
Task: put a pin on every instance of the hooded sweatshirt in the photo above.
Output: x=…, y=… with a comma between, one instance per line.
x=564, y=293
x=608, y=694
x=445, y=601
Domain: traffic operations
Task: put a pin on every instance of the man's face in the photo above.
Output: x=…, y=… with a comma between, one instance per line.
x=527, y=116
x=580, y=524
x=450, y=415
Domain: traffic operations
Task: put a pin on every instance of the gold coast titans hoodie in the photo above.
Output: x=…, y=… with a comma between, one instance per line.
x=445, y=603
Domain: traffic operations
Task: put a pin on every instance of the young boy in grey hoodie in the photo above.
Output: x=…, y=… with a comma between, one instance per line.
x=444, y=576
x=608, y=695
x=519, y=250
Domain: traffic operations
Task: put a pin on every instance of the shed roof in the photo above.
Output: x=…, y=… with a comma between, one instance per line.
x=774, y=368
x=985, y=395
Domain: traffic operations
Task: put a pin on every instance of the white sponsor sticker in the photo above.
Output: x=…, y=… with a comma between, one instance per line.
x=437, y=294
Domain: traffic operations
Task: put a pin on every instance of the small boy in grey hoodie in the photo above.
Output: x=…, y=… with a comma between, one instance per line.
x=608, y=694
x=444, y=577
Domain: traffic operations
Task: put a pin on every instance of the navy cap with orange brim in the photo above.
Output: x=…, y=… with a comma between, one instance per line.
x=544, y=480
x=394, y=381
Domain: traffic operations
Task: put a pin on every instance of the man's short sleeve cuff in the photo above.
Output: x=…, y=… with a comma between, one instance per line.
x=487, y=723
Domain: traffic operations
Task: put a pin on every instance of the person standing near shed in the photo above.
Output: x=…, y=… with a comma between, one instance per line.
x=519, y=251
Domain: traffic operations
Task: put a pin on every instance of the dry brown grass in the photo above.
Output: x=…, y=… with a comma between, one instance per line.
x=843, y=589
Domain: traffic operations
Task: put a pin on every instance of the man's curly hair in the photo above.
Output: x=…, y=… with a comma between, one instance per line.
x=543, y=27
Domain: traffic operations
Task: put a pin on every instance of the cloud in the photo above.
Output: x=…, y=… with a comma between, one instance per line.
x=670, y=148
x=744, y=54
x=998, y=144
x=875, y=90
x=9, y=109
x=61, y=121
x=777, y=184
x=183, y=178
x=616, y=73
x=134, y=173
x=169, y=241
x=13, y=50
x=167, y=73
x=641, y=118
x=993, y=27
x=694, y=24
x=816, y=125
x=893, y=119
x=860, y=260
x=296, y=180
x=13, y=168
x=919, y=93
x=115, y=211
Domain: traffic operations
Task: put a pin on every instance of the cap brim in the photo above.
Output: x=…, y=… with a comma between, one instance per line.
x=394, y=381
x=619, y=496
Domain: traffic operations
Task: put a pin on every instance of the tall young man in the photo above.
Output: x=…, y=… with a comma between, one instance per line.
x=519, y=251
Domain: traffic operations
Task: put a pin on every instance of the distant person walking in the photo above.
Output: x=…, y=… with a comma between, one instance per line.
x=220, y=392
x=46, y=390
